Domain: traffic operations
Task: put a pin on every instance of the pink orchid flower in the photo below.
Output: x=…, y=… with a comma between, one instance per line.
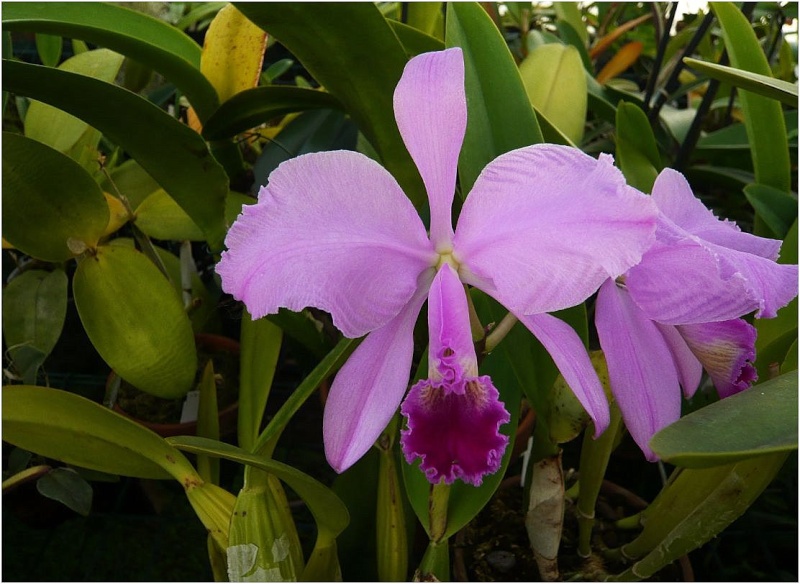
x=677, y=311
x=541, y=229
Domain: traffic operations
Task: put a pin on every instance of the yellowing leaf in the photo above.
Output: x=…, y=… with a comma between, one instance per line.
x=117, y=214
x=624, y=58
x=161, y=217
x=135, y=320
x=555, y=81
x=232, y=53
x=56, y=128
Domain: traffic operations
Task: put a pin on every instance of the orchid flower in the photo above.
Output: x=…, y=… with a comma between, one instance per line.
x=676, y=313
x=541, y=229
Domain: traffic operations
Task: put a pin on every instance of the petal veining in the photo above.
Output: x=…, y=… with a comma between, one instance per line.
x=332, y=230
x=726, y=350
x=369, y=387
x=430, y=106
x=641, y=369
x=572, y=360
x=692, y=281
x=689, y=368
x=548, y=224
x=451, y=352
x=675, y=200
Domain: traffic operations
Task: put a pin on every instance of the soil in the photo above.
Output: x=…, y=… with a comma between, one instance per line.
x=494, y=547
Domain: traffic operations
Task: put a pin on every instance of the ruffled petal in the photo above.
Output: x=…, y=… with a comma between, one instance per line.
x=431, y=111
x=334, y=231
x=454, y=416
x=547, y=224
x=675, y=200
x=640, y=367
x=726, y=350
x=451, y=351
x=456, y=435
x=689, y=282
x=369, y=388
x=690, y=370
x=572, y=360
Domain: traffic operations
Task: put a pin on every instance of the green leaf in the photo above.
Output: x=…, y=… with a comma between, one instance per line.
x=573, y=38
x=356, y=56
x=52, y=209
x=327, y=509
x=763, y=116
x=203, y=10
x=132, y=182
x=414, y=41
x=159, y=216
x=426, y=17
x=205, y=305
x=555, y=81
x=695, y=506
x=49, y=49
x=301, y=327
x=723, y=177
x=208, y=423
x=135, y=320
x=67, y=487
x=550, y=133
x=56, y=128
x=776, y=335
x=570, y=13
x=760, y=420
x=311, y=131
x=790, y=363
x=66, y=427
x=765, y=85
x=262, y=522
x=328, y=366
x=173, y=154
x=357, y=487
x=256, y=106
x=637, y=151
x=777, y=209
x=499, y=114
x=260, y=346
x=34, y=309
x=138, y=36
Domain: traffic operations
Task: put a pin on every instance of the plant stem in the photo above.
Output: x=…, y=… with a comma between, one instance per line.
x=437, y=508
x=594, y=461
x=499, y=332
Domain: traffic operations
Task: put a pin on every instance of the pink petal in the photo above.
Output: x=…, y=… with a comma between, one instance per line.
x=690, y=370
x=572, y=360
x=332, y=230
x=431, y=111
x=369, y=388
x=454, y=417
x=640, y=366
x=451, y=350
x=546, y=225
x=690, y=281
x=675, y=200
x=726, y=350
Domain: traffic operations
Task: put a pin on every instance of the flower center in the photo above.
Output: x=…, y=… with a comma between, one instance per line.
x=447, y=257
